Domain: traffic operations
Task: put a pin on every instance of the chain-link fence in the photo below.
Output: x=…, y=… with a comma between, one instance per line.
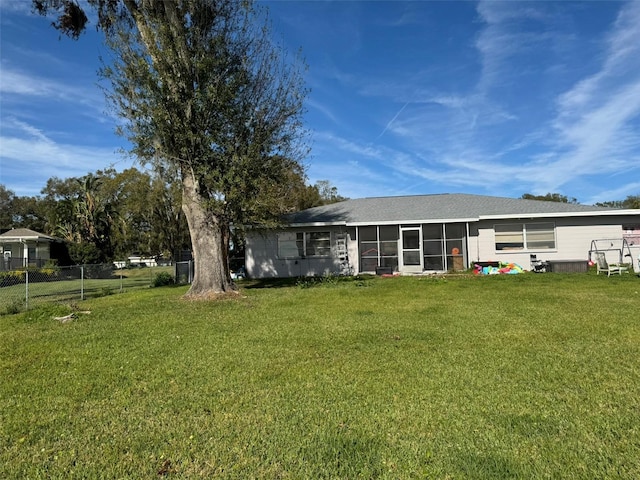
x=184, y=272
x=24, y=288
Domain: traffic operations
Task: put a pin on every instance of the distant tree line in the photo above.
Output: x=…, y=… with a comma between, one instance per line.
x=109, y=215
x=632, y=201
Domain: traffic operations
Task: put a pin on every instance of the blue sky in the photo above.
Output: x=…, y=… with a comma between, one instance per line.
x=494, y=98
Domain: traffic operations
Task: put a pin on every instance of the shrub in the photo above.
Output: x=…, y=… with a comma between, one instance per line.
x=13, y=277
x=106, y=291
x=101, y=270
x=327, y=280
x=85, y=253
x=162, y=279
x=12, y=308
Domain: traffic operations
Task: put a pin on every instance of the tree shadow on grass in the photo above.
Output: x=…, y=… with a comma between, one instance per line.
x=269, y=283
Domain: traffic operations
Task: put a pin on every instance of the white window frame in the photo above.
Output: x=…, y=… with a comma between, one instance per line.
x=305, y=244
x=289, y=242
x=526, y=241
x=315, y=241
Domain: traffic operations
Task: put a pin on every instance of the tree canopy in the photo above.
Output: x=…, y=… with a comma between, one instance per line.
x=550, y=197
x=632, y=201
x=109, y=215
x=209, y=99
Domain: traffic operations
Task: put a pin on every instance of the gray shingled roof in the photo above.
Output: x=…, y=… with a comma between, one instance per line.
x=25, y=233
x=443, y=207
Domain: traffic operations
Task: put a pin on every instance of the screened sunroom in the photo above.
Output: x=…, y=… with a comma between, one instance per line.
x=412, y=248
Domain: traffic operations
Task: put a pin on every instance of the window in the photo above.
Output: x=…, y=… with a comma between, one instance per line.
x=631, y=233
x=369, y=252
x=378, y=247
x=389, y=246
x=318, y=244
x=291, y=245
x=509, y=237
x=540, y=236
x=432, y=244
x=532, y=236
x=304, y=244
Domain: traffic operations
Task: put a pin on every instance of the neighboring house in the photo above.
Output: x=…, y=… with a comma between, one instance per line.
x=433, y=233
x=22, y=247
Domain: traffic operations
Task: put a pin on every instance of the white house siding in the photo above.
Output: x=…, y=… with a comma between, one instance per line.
x=573, y=239
x=261, y=255
x=473, y=242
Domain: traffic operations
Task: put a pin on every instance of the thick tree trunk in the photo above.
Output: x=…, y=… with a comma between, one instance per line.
x=211, y=264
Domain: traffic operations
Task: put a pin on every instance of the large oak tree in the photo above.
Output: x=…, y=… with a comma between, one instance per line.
x=209, y=99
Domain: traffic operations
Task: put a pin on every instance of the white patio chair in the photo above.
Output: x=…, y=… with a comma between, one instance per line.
x=603, y=266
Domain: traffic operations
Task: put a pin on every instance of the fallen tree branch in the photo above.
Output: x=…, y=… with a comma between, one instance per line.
x=71, y=316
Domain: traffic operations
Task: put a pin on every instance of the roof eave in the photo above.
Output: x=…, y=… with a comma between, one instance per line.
x=413, y=222
x=318, y=224
x=29, y=239
x=502, y=216
x=589, y=213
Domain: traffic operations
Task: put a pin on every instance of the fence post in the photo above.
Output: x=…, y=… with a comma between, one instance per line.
x=190, y=279
x=81, y=282
x=26, y=292
x=120, y=280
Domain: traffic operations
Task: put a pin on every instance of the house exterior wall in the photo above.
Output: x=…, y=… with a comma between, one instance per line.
x=26, y=254
x=263, y=261
x=573, y=239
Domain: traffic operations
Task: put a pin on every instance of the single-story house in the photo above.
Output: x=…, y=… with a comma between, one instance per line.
x=435, y=233
x=22, y=247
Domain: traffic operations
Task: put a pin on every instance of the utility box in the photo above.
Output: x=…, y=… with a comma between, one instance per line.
x=568, y=266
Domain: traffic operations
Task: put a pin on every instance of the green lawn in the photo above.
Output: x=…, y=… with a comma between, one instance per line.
x=524, y=376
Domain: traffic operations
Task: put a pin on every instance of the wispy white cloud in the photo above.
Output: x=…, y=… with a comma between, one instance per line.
x=597, y=126
x=513, y=30
x=23, y=92
x=595, y=130
x=19, y=83
x=324, y=110
x=620, y=193
x=621, y=61
x=480, y=138
x=15, y=82
x=24, y=7
x=361, y=149
x=30, y=156
x=15, y=6
x=31, y=132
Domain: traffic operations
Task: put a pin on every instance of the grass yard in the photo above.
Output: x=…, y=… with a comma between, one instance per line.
x=523, y=376
x=12, y=298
